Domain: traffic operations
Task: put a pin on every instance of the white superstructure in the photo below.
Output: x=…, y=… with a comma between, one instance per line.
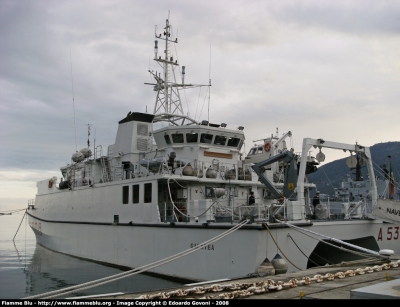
x=135, y=203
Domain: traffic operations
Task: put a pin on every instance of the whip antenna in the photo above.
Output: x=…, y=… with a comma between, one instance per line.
x=88, y=135
x=209, y=87
x=73, y=100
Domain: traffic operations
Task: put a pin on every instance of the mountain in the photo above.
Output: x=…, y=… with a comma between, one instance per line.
x=330, y=175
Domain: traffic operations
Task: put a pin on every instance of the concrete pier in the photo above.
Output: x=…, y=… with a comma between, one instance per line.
x=356, y=281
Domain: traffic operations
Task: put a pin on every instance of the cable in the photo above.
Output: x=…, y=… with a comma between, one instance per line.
x=304, y=253
x=11, y=211
x=366, y=255
x=19, y=225
x=368, y=251
x=173, y=204
x=280, y=248
x=330, y=183
x=141, y=269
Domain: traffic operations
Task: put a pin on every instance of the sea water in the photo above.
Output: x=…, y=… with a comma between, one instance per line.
x=28, y=269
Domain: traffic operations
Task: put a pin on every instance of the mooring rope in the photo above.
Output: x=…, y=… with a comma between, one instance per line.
x=294, y=242
x=334, y=240
x=9, y=212
x=366, y=255
x=280, y=248
x=20, y=226
x=141, y=269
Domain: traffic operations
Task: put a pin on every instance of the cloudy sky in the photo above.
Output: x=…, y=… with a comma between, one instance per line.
x=321, y=69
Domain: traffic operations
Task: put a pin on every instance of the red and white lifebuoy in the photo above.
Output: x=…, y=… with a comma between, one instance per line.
x=50, y=183
x=267, y=146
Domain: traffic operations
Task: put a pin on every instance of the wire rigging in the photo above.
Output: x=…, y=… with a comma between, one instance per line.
x=73, y=99
x=141, y=269
x=209, y=88
x=19, y=225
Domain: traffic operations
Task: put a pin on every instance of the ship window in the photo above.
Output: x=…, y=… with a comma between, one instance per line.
x=147, y=192
x=125, y=194
x=240, y=145
x=206, y=138
x=233, y=142
x=177, y=137
x=260, y=150
x=135, y=194
x=220, y=140
x=167, y=139
x=252, y=151
x=191, y=137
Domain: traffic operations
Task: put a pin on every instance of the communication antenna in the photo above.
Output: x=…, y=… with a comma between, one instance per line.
x=168, y=105
x=88, y=134
x=209, y=87
x=94, y=142
x=73, y=100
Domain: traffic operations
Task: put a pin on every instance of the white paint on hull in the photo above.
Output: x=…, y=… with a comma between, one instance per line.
x=136, y=246
x=233, y=256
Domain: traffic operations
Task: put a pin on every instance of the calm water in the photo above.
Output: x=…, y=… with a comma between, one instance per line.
x=28, y=269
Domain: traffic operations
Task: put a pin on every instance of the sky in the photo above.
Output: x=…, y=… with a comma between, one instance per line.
x=320, y=69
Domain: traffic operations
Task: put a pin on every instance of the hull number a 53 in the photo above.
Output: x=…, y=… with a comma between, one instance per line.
x=392, y=233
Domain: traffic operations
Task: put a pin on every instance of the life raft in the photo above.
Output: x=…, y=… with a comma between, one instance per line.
x=50, y=183
x=267, y=146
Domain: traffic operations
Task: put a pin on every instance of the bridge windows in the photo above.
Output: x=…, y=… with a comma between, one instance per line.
x=177, y=138
x=167, y=139
x=206, y=138
x=220, y=140
x=233, y=142
x=192, y=137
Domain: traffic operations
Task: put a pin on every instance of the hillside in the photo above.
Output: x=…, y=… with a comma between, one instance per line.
x=330, y=175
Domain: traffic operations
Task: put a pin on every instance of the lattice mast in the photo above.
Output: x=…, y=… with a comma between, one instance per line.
x=168, y=106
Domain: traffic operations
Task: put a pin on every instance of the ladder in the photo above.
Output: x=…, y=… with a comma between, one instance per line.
x=106, y=169
x=105, y=164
